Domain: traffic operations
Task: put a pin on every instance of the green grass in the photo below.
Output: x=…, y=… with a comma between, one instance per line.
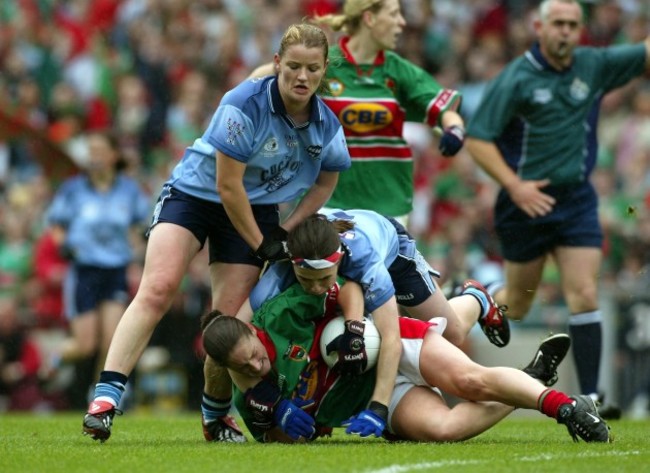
x=174, y=443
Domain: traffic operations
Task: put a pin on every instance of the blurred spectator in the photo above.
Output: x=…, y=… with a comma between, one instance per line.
x=20, y=360
x=15, y=253
x=46, y=286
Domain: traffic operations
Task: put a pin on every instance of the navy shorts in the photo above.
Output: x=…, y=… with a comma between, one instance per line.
x=410, y=272
x=208, y=220
x=86, y=287
x=573, y=222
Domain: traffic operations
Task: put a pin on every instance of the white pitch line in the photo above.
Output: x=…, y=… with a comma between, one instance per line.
x=536, y=458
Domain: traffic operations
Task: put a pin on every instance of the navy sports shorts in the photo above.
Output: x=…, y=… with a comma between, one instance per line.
x=573, y=222
x=208, y=220
x=410, y=272
x=86, y=287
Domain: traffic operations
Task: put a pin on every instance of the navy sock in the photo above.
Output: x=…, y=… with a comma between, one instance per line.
x=213, y=408
x=586, y=339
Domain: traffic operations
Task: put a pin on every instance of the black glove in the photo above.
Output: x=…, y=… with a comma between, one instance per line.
x=274, y=246
x=351, y=349
x=261, y=400
x=452, y=140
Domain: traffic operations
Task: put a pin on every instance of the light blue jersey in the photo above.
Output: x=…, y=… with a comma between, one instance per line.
x=97, y=223
x=370, y=247
x=282, y=160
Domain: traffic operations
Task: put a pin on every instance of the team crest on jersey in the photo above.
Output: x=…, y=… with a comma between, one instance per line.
x=390, y=84
x=296, y=353
x=314, y=151
x=579, y=89
x=271, y=146
x=235, y=130
x=336, y=87
x=542, y=96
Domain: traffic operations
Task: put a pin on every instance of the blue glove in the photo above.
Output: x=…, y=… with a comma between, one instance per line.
x=293, y=421
x=372, y=421
x=452, y=140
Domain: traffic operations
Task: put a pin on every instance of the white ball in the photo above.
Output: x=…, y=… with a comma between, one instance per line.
x=336, y=327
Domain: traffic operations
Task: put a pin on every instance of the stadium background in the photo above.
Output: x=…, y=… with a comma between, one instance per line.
x=154, y=70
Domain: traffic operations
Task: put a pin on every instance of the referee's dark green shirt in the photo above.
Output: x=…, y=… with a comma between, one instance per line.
x=544, y=121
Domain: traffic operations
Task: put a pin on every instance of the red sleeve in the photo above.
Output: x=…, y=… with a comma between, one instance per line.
x=30, y=358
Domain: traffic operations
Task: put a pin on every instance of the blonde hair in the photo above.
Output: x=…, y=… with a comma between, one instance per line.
x=350, y=20
x=308, y=35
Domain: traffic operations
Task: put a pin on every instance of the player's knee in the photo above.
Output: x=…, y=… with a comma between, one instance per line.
x=446, y=431
x=584, y=298
x=157, y=296
x=516, y=309
x=471, y=385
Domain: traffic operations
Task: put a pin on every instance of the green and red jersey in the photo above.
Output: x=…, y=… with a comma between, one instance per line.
x=372, y=102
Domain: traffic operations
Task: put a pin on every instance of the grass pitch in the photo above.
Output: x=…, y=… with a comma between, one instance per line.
x=174, y=443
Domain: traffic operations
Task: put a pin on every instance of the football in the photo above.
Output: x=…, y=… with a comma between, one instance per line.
x=336, y=327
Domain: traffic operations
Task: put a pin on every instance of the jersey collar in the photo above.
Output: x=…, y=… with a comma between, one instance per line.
x=267, y=342
x=539, y=62
x=379, y=59
x=277, y=105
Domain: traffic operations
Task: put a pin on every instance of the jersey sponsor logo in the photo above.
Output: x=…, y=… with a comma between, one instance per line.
x=542, y=96
x=280, y=174
x=365, y=117
x=579, y=90
x=336, y=87
x=235, y=130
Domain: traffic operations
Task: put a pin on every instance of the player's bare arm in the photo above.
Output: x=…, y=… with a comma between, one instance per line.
x=230, y=185
x=314, y=199
x=351, y=301
x=262, y=71
x=385, y=318
x=527, y=195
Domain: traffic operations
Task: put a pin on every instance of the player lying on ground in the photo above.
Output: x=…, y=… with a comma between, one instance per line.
x=286, y=392
x=379, y=254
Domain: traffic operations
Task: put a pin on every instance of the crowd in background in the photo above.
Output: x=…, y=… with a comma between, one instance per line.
x=153, y=72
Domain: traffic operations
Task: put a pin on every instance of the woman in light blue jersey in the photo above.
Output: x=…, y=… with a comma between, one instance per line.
x=94, y=217
x=270, y=141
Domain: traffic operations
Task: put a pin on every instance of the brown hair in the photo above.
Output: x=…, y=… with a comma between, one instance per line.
x=220, y=335
x=112, y=139
x=316, y=237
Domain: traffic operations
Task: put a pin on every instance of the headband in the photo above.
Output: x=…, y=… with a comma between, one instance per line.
x=323, y=263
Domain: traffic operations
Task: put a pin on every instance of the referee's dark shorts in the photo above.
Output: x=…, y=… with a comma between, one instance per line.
x=572, y=222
